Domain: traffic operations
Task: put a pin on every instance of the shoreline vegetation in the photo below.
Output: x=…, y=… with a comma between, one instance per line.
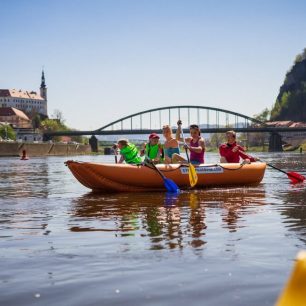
x=14, y=148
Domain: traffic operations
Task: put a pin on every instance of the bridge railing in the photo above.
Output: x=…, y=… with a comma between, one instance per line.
x=205, y=117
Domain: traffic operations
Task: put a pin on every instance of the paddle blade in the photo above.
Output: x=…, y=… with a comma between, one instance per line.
x=171, y=186
x=193, y=177
x=294, y=291
x=295, y=177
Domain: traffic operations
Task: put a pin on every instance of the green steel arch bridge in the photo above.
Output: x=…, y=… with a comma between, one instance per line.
x=210, y=120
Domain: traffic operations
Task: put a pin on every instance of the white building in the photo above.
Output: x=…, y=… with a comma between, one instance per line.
x=29, y=102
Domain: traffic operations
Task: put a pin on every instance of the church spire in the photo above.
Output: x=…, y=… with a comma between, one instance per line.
x=43, y=84
x=43, y=87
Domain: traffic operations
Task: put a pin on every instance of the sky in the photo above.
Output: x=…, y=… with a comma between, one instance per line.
x=107, y=59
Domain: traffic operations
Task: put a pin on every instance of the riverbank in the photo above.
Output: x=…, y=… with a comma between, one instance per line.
x=42, y=149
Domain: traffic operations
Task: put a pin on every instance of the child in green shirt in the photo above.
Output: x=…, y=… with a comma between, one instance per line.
x=129, y=152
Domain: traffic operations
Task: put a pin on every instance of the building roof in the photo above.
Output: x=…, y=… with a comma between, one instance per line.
x=11, y=111
x=298, y=124
x=23, y=94
x=279, y=123
x=286, y=124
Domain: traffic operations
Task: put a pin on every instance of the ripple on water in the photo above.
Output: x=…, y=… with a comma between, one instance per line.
x=61, y=244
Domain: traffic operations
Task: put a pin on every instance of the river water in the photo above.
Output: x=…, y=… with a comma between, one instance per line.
x=63, y=245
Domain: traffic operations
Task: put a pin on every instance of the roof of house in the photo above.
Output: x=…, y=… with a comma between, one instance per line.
x=286, y=124
x=24, y=94
x=279, y=123
x=11, y=111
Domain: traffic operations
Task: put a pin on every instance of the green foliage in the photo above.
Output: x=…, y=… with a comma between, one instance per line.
x=58, y=125
x=291, y=101
x=36, y=121
x=52, y=125
x=275, y=110
x=263, y=116
x=7, y=132
x=285, y=99
x=300, y=57
x=291, y=107
x=217, y=139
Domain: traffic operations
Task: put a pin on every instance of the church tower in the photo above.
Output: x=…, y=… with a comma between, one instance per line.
x=43, y=87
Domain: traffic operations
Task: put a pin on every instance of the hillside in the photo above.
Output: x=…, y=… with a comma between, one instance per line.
x=291, y=100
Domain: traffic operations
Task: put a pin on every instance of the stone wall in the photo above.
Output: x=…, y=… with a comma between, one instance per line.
x=42, y=149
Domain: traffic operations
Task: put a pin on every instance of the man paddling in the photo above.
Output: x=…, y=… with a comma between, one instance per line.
x=230, y=152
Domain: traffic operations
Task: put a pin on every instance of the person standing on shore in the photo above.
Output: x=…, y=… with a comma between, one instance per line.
x=230, y=152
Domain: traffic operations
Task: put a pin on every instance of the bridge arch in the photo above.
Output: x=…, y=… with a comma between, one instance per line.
x=237, y=116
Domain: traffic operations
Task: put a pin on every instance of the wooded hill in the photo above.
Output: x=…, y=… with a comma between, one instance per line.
x=291, y=100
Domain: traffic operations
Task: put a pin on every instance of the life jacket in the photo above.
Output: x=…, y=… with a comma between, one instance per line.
x=152, y=151
x=130, y=154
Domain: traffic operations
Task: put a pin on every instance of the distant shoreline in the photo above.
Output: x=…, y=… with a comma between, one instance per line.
x=15, y=149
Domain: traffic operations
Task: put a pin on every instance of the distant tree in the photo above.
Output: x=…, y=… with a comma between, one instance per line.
x=51, y=125
x=258, y=139
x=36, y=121
x=217, y=139
x=263, y=116
x=275, y=110
x=7, y=132
x=57, y=123
x=58, y=115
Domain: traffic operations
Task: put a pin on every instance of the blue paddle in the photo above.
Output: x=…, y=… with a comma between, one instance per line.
x=169, y=184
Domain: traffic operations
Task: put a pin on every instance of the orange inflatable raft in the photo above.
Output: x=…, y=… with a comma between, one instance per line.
x=131, y=178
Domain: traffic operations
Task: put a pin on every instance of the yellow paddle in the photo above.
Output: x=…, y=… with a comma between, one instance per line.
x=193, y=177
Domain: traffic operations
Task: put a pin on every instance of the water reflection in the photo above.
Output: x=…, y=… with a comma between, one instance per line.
x=294, y=209
x=58, y=242
x=24, y=179
x=166, y=220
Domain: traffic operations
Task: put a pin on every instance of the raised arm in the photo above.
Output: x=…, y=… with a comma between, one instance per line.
x=179, y=131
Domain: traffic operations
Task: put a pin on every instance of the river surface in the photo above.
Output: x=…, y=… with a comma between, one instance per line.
x=63, y=245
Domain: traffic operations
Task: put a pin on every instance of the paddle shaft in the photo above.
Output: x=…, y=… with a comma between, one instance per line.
x=187, y=155
x=154, y=166
x=115, y=153
x=277, y=169
x=268, y=164
x=285, y=172
x=193, y=178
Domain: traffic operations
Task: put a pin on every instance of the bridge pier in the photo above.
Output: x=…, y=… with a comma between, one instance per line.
x=93, y=141
x=275, y=143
